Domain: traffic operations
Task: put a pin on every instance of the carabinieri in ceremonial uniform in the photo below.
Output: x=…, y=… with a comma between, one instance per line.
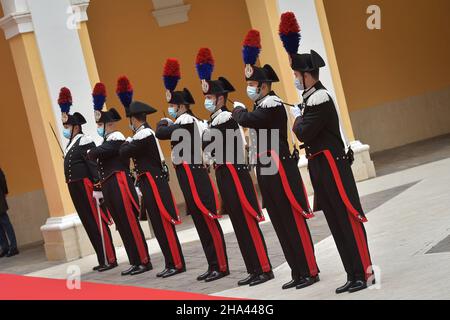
x=282, y=191
x=198, y=189
x=232, y=173
x=117, y=185
x=328, y=162
x=81, y=176
x=153, y=180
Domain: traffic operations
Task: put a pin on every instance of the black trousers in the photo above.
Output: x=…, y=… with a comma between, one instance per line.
x=290, y=226
x=156, y=200
x=236, y=186
x=81, y=194
x=122, y=201
x=348, y=233
x=7, y=235
x=200, y=189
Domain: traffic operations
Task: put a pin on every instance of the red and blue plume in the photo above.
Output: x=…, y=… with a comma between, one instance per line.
x=124, y=91
x=290, y=32
x=171, y=74
x=205, y=64
x=65, y=100
x=252, y=47
x=99, y=96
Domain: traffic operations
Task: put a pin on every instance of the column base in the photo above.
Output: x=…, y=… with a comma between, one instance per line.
x=65, y=238
x=363, y=167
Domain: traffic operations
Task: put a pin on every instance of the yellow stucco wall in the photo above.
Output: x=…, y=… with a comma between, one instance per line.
x=408, y=57
x=126, y=39
x=17, y=154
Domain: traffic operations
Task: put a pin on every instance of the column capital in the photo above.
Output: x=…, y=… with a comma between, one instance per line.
x=16, y=23
x=80, y=6
x=17, y=16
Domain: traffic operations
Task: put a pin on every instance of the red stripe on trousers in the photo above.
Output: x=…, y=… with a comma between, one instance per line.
x=306, y=242
x=167, y=222
x=128, y=203
x=213, y=229
x=362, y=246
x=340, y=186
x=288, y=190
x=89, y=188
x=251, y=218
x=299, y=216
x=354, y=215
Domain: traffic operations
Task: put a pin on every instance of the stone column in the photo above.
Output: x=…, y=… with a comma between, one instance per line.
x=47, y=55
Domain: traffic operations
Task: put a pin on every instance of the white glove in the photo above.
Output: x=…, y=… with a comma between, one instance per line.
x=138, y=191
x=129, y=139
x=239, y=105
x=296, y=112
x=97, y=195
x=169, y=121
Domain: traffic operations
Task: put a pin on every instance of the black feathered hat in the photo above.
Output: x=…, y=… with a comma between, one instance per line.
x=307, y=62
x=107, y=116
x=137, y=107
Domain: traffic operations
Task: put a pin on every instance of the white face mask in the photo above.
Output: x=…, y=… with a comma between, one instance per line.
x=253, y=93
x=210, y=105
x=299, y=85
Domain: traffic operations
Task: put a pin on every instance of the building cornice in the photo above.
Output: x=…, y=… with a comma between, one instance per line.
x=170, y=12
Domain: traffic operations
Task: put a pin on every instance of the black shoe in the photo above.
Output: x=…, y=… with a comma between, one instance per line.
x=171, y=272
x=129, y=270
x=291, y=284
x=203, y=276
x=3, y=253
x=160, y=274
x=98, y=267
x=108, y=267
x=216, y=275
x=12, y=253
x=264, y=277
x=345, y=287
x=247, y=280
x=307, y=281
x=358, y=285
x=141, y=269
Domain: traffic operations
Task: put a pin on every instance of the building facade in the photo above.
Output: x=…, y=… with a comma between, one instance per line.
x=392, y=84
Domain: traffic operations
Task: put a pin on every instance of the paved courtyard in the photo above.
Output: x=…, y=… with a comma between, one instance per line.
x=408, y=230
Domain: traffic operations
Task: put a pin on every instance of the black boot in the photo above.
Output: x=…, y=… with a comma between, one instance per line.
x=203, y=276
x=172, y=271
x=291, y=284
x=129, y=270
x=98, y=267
x=141, y=269
x=247, y=280
x=307, y=281
x=108, y=267
x=264, y=277
x=160, y=274
x=358, y=285
x=216, y=275
x=12, y=252
x=345, y=287
x=3, y=253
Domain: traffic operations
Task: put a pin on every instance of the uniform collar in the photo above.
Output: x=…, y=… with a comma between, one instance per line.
x=217, y=112
x=74, y=140
x=310, y=91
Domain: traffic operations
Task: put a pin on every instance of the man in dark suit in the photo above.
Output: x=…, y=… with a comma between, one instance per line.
x=8, y=244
